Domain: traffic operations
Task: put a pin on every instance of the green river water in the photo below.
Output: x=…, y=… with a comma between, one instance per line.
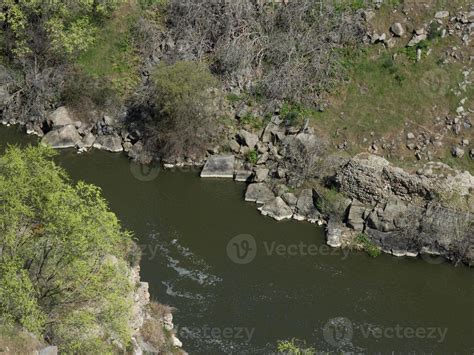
x=290, y=286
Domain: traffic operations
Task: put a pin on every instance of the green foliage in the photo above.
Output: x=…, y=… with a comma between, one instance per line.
x=187, y=108
x=331, y=202
x=293, y=347
x=252, y=156
x=255, y=122
x=369, y=247
x=67, y=26
x=113, y=55
x=62, y=267
x=295, y=114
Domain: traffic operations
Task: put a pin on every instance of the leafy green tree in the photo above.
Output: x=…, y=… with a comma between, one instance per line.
x=63, y=273
x=37, y=27
x=187, y=108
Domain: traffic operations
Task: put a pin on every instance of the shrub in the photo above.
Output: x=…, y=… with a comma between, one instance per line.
x=294, y=347
x=186, y=109
x=252, y=156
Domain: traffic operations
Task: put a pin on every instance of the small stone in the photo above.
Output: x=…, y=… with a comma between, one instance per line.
x=457, y=152
x=397, y=29
x=465, y=142
x=442, y=14
x=248, y=138
x=234, y=146
x=410, y=135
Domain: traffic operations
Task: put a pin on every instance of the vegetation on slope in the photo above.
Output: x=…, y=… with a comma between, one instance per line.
x=63, y=269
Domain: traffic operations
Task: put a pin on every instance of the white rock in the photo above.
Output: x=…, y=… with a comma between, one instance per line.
x=397, y=29
x=442, y=14
x=60, y=117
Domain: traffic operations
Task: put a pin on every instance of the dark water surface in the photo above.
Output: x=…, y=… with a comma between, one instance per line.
x=329, y=298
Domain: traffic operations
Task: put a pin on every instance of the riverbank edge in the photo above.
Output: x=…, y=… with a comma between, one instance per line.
x=376, y=198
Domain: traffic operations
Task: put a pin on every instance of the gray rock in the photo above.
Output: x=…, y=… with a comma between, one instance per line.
x=110, y=143
x=410, y=135
x=243, y=175
x=417, y=38
x=290, y=198
x=65, y=137
x=272, y=131
x=139, y=154
x=61, y=117
x=88, y=140
x=356, y=216
x=219, y=166
x=277, y=209
x=281, y=172
x=261, y=174
x=49, y=350
x=263, y=158
x=368, y=15
x=397, y=29
x=262, y=147
x=234, y=146
x=248, y=138
x=259, y=193
x=442, y=14
x=457, y=152
x=369, y=178
x=127, y=146
x=306, y=208
x=4, y=95
x=334, y=233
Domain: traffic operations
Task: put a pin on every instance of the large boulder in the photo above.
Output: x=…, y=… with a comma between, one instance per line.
x=370, y=179
x=248, y=138
x=277, y=209
x=397, y=29
x=259, y=193
x=306, y=207
x=60, y=117
x=65, y=137
x=109, y=143
x=219, y=166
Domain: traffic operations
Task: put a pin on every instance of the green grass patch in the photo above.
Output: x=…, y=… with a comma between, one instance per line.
x=385, y=92
x=252, y=156
x=369, y=247
x=113, y=55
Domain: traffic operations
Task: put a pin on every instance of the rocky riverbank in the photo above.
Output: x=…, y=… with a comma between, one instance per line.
x=405, y=214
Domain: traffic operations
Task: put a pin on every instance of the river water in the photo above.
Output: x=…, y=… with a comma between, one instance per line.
x=274, y=280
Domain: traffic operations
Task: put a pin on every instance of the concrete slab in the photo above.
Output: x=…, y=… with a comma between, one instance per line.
x=219, y=166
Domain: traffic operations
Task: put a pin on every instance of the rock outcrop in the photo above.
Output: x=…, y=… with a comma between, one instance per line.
x=410, y=214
